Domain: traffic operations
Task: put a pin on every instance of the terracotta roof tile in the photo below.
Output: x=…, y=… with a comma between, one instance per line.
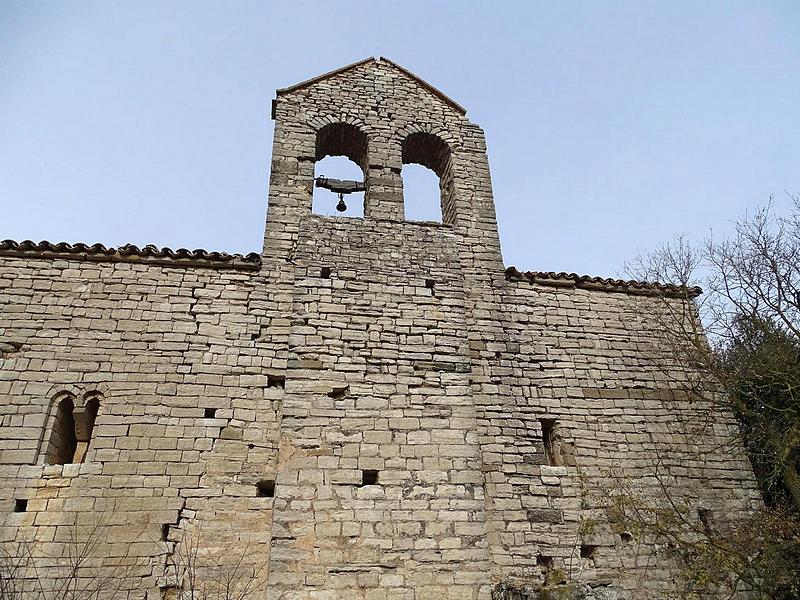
x=130, y=253
x=642, y=288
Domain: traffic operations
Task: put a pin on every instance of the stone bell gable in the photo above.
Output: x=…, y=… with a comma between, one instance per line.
x=372, y=408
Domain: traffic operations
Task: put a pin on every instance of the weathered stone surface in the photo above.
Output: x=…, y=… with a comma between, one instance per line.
x=600, y=590
x=358, y=413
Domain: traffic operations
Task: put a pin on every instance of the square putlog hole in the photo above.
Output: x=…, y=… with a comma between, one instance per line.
x=369, y=477
x=339, y=392
x=20, y=505
x=265, y=488
x=276, y=381
x=545, y=561
x=209, y=413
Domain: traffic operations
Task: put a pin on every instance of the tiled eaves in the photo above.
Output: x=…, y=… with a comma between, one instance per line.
x=641, y=288
x=131, y=254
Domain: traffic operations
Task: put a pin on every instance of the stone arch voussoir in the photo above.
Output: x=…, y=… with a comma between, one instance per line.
x=452, y=141
x=319, y=122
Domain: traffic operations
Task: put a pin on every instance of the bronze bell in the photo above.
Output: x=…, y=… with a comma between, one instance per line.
x=341, y=187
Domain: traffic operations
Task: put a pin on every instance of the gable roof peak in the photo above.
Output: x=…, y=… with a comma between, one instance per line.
x=379, y=60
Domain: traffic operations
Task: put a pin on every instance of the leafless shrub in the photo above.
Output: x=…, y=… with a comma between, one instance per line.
x=38, y=570
x=197, y=570
x=737, y=349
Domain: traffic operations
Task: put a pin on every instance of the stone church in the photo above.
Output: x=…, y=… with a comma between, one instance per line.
x=369, y=409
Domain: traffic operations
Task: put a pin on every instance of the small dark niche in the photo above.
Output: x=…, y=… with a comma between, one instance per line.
x=325, y=272
x=209, y=413
x=588, y=551
x=369, y=477
x=165, y=532
x=20, y=505
x=431, y=284
x=265, y=488
x=276, y=381
x=706, y=518
x=338, y=393
x=251, y=446
x=545, y=561
x=626, y=537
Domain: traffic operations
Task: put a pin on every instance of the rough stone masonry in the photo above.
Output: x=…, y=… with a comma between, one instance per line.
x=372, y=408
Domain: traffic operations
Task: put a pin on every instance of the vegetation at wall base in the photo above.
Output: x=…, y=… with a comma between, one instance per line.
x=742, y=339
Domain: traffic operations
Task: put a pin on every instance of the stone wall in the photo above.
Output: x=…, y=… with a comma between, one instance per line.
x=360, y=412
x=590, y=362
x=186, y=426
x=378, y=381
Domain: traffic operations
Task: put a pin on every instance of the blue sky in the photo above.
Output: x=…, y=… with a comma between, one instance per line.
x=611, y=127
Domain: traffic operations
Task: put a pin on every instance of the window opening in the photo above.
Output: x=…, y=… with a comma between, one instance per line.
x=551, y=439
x=84, y=425
x=62, y=439
x=72, y=432
x=209, y=413
x=20, y=505
x=325, y=272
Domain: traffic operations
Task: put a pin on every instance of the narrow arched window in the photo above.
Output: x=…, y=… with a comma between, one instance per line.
x=341, y=154
x=63, y=442
x=84, y=425
x=428, y=195
x=71, y=431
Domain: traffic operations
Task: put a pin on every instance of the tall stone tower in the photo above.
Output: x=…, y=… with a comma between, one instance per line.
x=371, y=408
x=386, y=315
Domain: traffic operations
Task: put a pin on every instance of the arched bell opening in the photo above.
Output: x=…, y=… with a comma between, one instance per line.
x=421, y=194
x=339, y=171
x=326, y=201
x=428, y=193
